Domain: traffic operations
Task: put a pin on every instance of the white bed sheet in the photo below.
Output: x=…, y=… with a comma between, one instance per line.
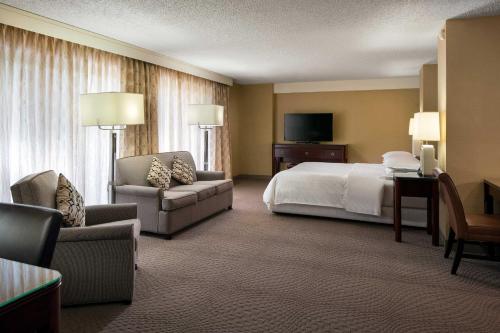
x=355, y=188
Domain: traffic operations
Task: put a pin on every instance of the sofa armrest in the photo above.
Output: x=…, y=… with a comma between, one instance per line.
x=210, y=175
x=99, y=214
x=140, y=191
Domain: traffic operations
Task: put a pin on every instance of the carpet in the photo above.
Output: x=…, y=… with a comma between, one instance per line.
x=248, y=270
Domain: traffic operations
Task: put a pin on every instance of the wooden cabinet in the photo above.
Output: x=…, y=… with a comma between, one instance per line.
x=298, y=153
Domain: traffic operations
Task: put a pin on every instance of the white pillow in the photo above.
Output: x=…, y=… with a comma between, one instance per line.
x=402, y=163
x=390, y=154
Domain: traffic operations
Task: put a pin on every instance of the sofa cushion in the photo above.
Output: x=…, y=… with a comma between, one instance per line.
x=175, y=200
x=70, y=203
x=220, y=185
x=159, y=175
x=202, y=191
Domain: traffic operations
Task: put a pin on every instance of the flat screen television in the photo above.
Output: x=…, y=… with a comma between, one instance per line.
x=308, y=127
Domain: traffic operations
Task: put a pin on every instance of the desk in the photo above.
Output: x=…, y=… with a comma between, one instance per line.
x=491, y=192
x=411, y=184
x=29, y=298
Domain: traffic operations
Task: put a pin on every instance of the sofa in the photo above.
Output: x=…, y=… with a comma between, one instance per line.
x=166, y=212
x=97, y=261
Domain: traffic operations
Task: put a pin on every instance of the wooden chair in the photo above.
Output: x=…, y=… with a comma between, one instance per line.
x=466, y=227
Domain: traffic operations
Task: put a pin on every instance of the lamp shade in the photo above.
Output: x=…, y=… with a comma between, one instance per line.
x=205, y=115
x=111, y=109
x=410, y=128
x=426, y=126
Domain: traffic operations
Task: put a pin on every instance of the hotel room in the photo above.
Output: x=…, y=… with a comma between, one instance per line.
x=250, y=166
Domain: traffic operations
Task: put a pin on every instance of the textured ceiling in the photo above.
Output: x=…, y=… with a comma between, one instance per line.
x=256, y=41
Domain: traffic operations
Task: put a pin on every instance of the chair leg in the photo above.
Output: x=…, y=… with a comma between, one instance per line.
x=449, y=243
x=458, y=256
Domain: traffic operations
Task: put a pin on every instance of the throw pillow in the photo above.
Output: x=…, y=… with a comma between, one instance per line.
x=70, y=203
x=182, y=171
x=159, y=175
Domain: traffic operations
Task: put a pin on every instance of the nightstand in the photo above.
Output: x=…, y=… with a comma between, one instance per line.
x=411, y=184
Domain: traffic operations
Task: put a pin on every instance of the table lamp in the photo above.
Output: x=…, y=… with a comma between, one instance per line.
x=112, y=111
x=206, y=117
x=426, y=128
x=415, y=144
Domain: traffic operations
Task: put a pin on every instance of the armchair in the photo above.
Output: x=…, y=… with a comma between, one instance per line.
x=97, y=261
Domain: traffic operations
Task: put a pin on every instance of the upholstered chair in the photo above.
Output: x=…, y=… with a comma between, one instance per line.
x=97, y=261
x=466, y=227
x=28, y=234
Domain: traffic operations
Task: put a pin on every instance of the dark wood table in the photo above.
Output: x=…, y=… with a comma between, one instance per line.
x=29, y=298
x=295, y=153
x=411, y=184
x=491, y=193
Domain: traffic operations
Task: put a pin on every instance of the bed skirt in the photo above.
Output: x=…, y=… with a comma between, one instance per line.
x=415, y=217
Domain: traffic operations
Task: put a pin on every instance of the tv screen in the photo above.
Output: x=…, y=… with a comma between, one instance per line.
x=308, y=127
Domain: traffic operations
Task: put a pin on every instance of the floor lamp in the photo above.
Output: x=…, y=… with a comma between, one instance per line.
x=206, y=117
x=112, y=111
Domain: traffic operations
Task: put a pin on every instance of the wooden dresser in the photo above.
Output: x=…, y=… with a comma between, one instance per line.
x=297, y=153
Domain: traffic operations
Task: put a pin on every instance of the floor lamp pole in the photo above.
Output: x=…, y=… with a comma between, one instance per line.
x=111, y=183
x=205, y=157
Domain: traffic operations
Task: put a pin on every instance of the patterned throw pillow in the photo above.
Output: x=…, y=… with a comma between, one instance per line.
x=182, y=172
x=159, y=175
x=70, y=203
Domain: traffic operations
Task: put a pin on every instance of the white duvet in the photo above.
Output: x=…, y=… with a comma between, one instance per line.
x=357, y=188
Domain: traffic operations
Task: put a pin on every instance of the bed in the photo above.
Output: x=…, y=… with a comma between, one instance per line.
x=357, y=191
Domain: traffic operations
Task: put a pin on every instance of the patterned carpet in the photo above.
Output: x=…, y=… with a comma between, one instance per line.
x=247, y=270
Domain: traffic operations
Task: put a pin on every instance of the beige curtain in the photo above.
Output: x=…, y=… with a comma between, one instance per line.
x=41, y=79
x=222, y=138
x=142, y=78
x=176, y=91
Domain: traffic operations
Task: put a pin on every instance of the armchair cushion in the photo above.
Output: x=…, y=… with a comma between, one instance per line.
x=220, y=185
x=175, y=200
x=99, y=214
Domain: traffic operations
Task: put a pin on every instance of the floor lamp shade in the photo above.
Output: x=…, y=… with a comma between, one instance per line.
x=112, y=109
x=205, y=115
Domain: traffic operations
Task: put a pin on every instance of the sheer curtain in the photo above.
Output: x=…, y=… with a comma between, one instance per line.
x=176, y=91
x=41, y=79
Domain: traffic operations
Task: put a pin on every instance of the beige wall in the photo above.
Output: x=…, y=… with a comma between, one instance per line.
x=234, y=131
x=473, y=105
x=441, y=46
x=252, y=129
x=428, y=88
x=370, y=122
